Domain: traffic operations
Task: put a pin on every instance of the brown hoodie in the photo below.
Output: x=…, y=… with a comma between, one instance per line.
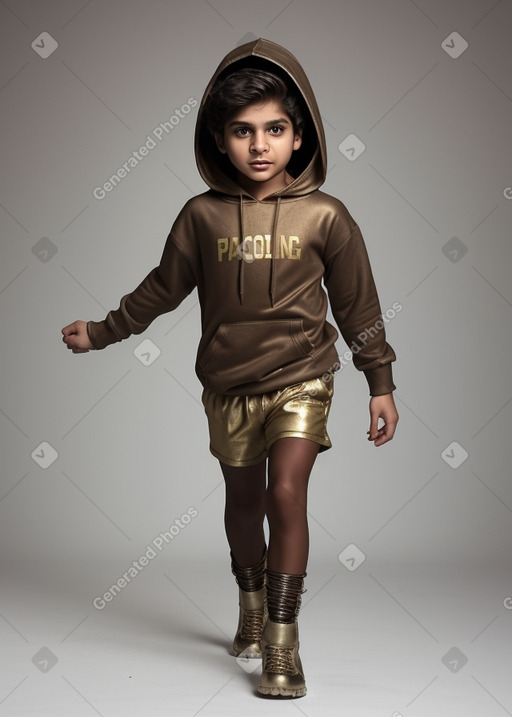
x=259, y=266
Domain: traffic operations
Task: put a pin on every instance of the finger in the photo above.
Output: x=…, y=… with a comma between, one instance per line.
x=71, y=341
x=69, y=329
x=372, y=436
x=387, y=434
x=373, y=433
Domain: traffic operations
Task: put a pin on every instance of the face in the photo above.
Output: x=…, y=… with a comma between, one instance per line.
x=259, y=141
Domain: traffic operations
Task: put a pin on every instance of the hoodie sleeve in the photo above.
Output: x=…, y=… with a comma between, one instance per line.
x=163, y=289
x=356, y=308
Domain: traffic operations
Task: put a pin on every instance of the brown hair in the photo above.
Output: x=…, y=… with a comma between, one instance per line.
x=247, y=86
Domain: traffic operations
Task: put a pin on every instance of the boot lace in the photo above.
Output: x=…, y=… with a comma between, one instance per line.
x=279, y=660
x=252, y=625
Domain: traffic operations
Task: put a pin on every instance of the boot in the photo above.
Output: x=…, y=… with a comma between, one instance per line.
x=282, y=674
x=252, y=608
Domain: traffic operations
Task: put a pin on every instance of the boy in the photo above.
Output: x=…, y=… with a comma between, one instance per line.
x=257, y=246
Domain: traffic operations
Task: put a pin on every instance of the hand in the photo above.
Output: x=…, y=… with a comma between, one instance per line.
x=382, y=407
x=76, y=338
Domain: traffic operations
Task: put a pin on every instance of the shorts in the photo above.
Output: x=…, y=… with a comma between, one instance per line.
x=242, y=428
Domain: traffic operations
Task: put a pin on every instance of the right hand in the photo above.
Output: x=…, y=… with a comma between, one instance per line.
x=76, y=338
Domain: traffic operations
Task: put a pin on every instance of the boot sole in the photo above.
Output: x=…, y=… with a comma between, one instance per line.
x=282, y=692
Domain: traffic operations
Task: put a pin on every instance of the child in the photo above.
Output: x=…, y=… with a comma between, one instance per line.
x=258, y=246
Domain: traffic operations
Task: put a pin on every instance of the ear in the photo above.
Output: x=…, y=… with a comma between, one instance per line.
x=219, y=141
x=298, y=140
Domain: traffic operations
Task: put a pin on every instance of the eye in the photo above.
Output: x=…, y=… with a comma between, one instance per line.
x=242, y=132
x=276, y=130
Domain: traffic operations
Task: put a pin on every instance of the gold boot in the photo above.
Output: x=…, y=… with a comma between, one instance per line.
x=250, y=623
x=252, y=608
x=282, y=674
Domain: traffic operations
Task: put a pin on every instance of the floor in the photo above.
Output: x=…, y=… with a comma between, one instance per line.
x=376, y=641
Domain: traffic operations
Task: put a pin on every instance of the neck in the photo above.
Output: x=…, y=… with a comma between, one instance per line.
x=260, y=190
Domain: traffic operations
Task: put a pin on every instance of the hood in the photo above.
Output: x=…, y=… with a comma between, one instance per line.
x=309, y=162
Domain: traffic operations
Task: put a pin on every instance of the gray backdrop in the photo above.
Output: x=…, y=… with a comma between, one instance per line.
x=102, y=453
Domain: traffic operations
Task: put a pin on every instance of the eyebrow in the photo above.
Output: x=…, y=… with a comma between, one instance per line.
x=270, y=123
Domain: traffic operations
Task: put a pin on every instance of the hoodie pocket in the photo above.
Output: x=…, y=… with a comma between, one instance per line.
x=250, y=351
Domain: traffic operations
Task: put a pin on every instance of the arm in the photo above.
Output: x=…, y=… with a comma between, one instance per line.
x=163, y=289
x=356, y=309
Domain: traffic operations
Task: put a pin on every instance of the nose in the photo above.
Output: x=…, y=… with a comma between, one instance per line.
x=259, y=142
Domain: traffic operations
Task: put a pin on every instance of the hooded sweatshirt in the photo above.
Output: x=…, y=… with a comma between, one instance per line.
x=264, y=270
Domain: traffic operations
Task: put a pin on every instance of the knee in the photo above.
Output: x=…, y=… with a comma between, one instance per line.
x=284, y=500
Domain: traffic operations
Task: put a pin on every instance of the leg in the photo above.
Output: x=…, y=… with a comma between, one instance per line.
x=290, y=464
x=244, y=515
x=245, y=511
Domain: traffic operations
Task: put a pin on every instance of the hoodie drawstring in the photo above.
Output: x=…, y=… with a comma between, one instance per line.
x=273, y=250
x=241, y=246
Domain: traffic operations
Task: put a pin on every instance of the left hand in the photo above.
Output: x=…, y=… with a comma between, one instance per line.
x=382, y=407
x=76, y=338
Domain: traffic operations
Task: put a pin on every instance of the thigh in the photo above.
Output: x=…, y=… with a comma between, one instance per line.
x=289, y=465
x=245, y=485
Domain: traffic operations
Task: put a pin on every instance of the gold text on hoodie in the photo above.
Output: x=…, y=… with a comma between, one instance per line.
x=258, y=247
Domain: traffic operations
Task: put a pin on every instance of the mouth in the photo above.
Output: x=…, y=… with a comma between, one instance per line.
x=260, y=164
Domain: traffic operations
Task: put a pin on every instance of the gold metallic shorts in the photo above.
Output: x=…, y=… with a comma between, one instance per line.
x=242, y=428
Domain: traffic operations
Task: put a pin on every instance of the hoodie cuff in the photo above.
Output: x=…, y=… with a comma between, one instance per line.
x=100, y=335
x=380, y=380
